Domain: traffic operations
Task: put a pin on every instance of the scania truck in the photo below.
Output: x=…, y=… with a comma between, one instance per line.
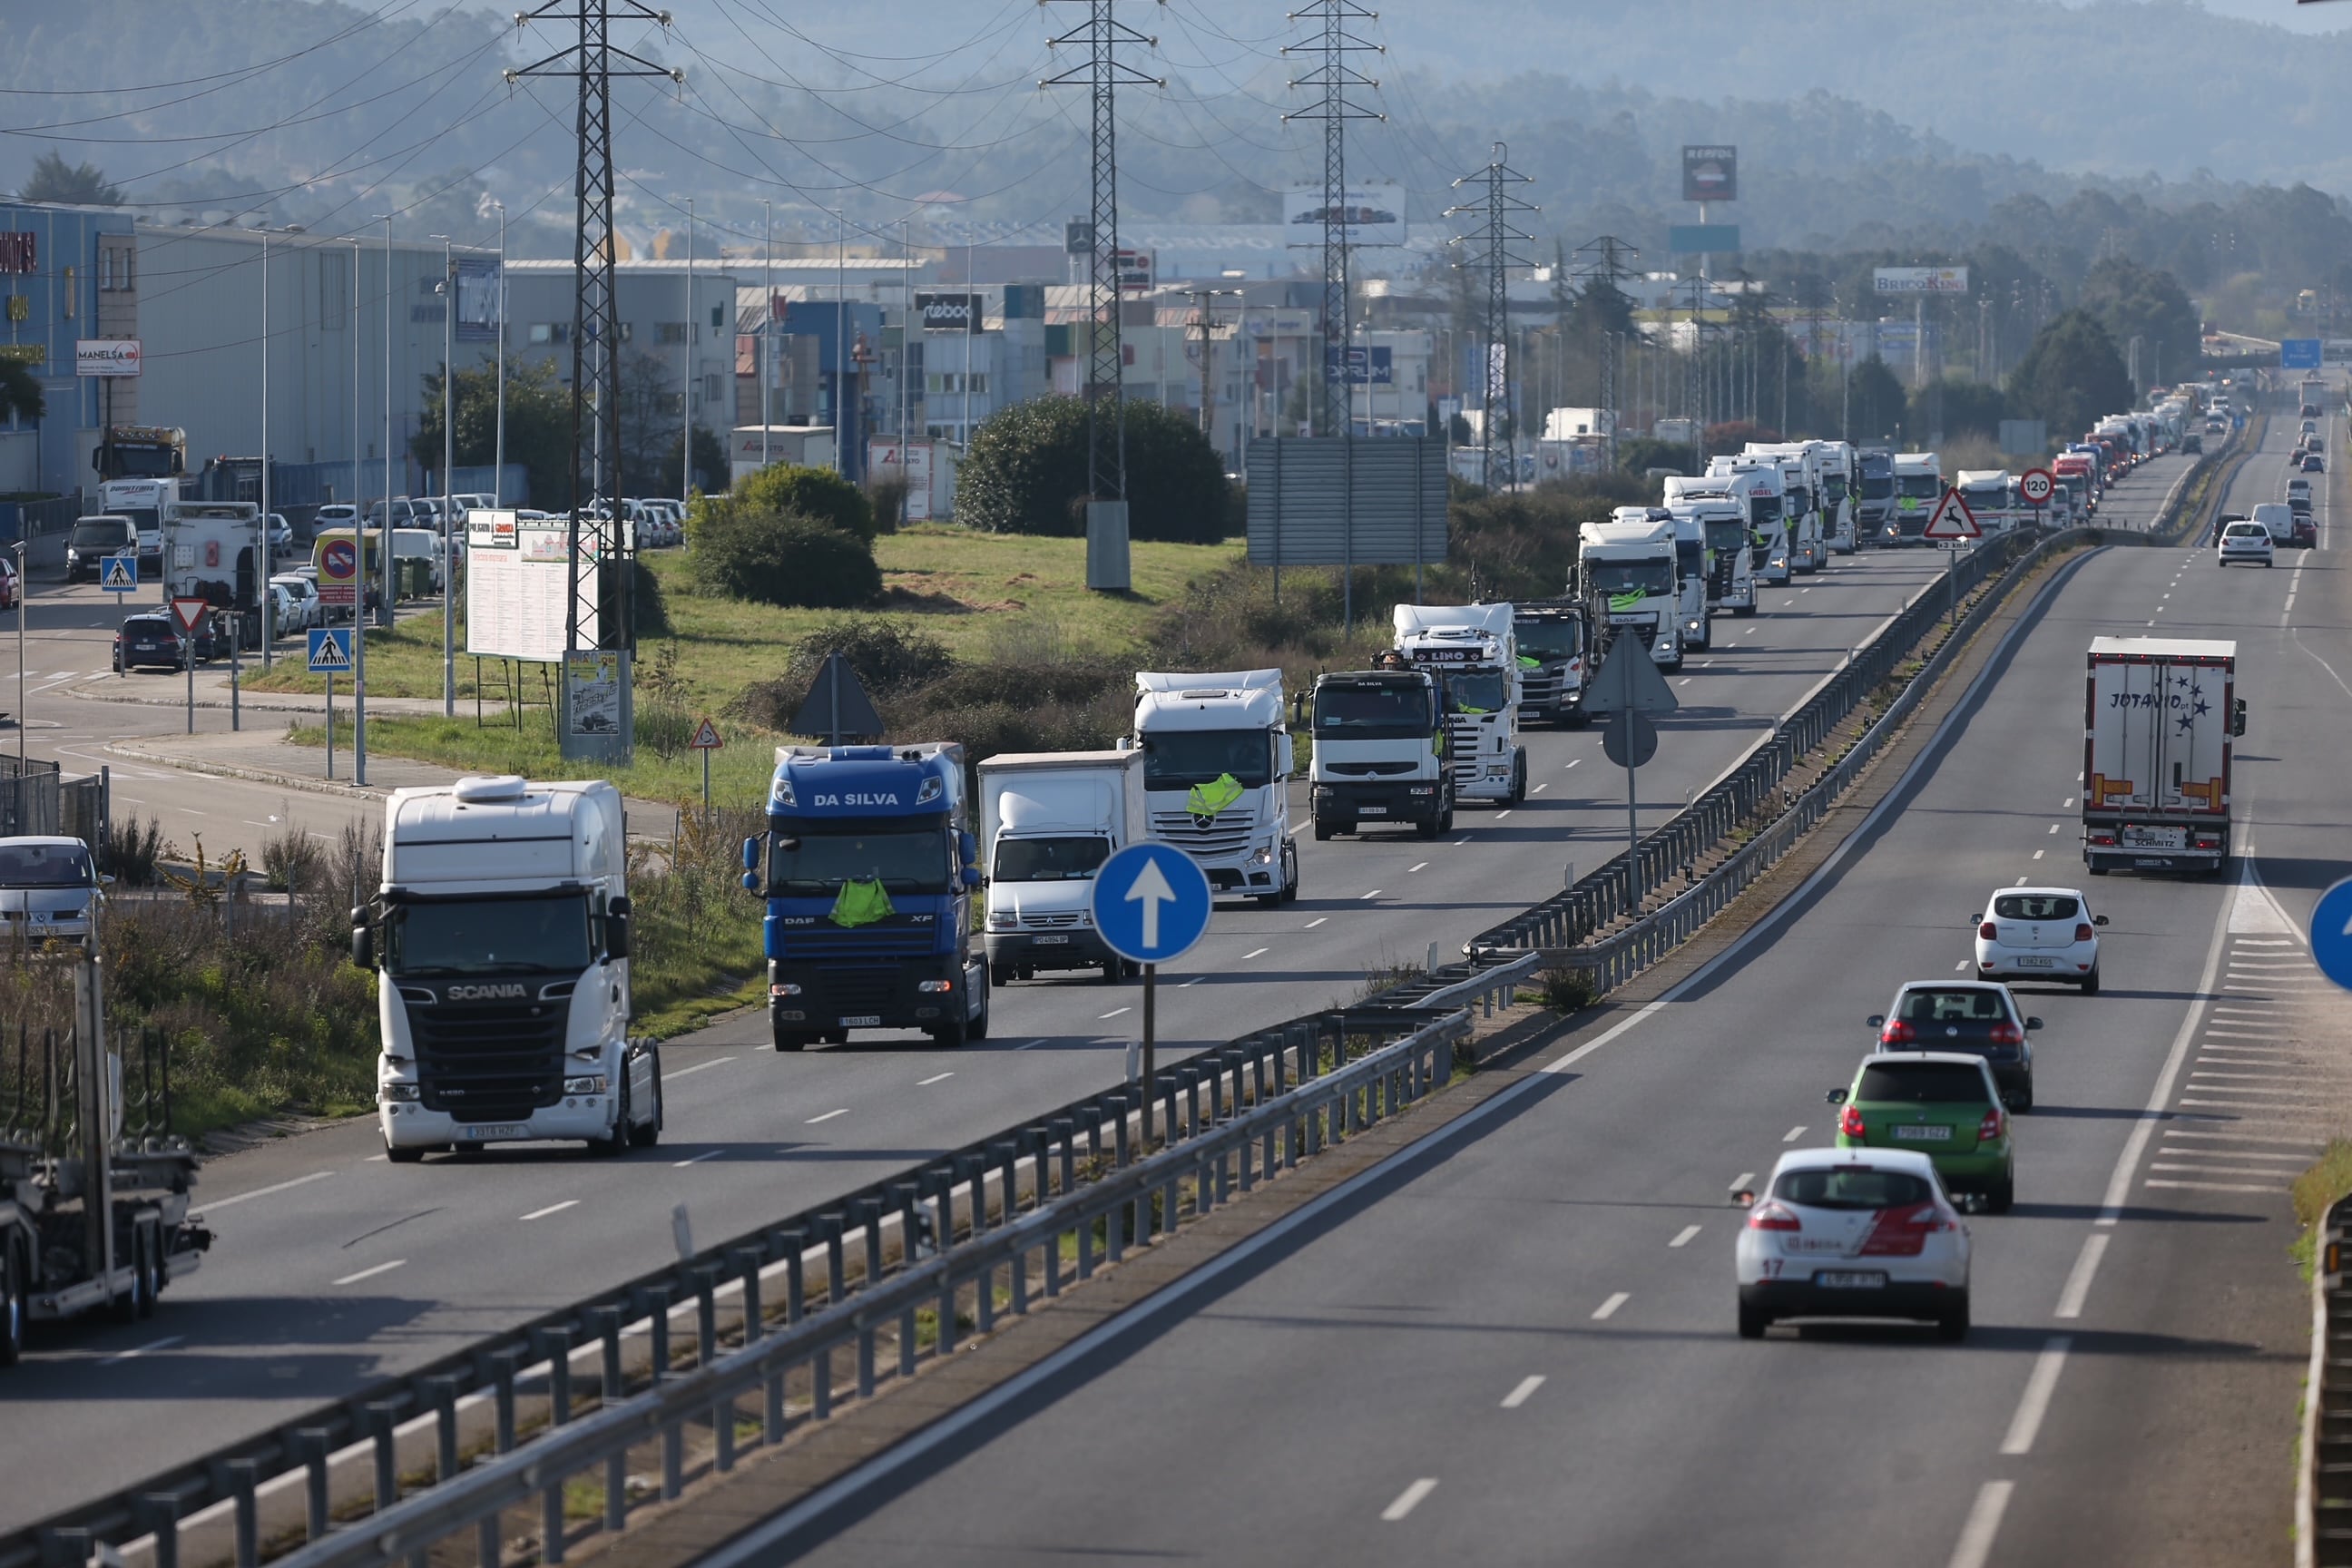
x=1918, y=486
x=500, y=941
x=1381, y=753
x=868, y=867
x=1047, y=821
x=1730, y=560
x=1473, y=650
x=1630, y=569
x=1874, y=495
x=2163, y=713
x=1555, y=648
x=1216, y=776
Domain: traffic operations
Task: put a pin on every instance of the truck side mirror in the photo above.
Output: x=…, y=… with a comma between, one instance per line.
x=617, y=928
x=2238, y=716
x=363, y=940
x=751, y=855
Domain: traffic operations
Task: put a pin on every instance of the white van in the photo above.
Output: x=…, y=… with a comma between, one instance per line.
x=418, y=544
x=2277, y=519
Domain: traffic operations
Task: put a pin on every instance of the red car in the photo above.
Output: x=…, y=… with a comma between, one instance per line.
x=2305, y=534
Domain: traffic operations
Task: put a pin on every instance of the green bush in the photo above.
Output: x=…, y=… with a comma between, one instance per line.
x=652, y=611
x=817, y=493
x=1026, y=473
x=744, y=550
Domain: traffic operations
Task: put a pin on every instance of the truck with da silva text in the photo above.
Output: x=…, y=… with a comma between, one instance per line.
x=1381, y=740
x=1217, y=766
x=1555, y=647
x=1473, y=650
x=500, y=936
x=1047, y=822
x=868, y=867
x=2162, y=714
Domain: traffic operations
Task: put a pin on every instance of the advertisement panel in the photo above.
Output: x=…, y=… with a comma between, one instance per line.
x=1371, y=214
x=1921, y=279
x=518, y=588
x=1368, y=365
x=1702, y=238
x=477, y=299
x=1710, y=174
x=952, y=312
x=889, y=458
x=106, y=356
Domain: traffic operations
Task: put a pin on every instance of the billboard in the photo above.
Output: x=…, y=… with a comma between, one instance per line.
x=106, y=356
x=1921, y=279
x=1702, y=238
x=1299, y=513
x=1710, y=174
x=479, y=316
x=1371, y=214
x=1367, y=365
x=952, y=312
x=519, y=587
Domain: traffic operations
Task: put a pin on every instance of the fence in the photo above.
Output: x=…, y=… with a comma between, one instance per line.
x=41, y=801
x=37, y=518
x=2323, y=1492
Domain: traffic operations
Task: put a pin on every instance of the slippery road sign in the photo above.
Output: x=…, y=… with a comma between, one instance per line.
x=1150, y=902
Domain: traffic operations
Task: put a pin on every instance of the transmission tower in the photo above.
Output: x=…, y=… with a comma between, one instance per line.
x=1329, y=38
x=1601, y=264
x=602, y=579
x=1491, y=242
x=1101, y=76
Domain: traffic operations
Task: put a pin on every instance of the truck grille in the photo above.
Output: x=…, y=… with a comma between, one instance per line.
x=854, y=992
x=1462, y=749
x=1050, y=921
x=489, y=1061
x=826, y=940
x=1540, y=687
x=1225, y=835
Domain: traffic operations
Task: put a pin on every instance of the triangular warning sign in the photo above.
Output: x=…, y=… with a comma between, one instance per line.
x=837, y=708
x=1953, y=520
x=705, y=739
x=1628, y=681
x=189, y=612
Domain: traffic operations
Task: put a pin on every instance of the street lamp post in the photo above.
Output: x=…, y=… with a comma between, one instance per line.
x=448, y=485
x=498, y=472
x=767, y=322
x=268, y=545
x=24, y=586
x=686, y=385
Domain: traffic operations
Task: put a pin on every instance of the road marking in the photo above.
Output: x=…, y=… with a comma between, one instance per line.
x=2034, y=1404
x=1739, y=1183
x=371, y=1273
x=2246, y=1138
x=1786, y=603
x=2218, y=1170
x=1682, y=1237
x=1685, y=680
x=1524, y=1392
x=1539, y=789
x=1114, y=1012
x=1186, y=986
x=1258, y=953
x=1033, y=1044
x=2038, y=854
x=707, y=1154
x=1409, y=871
x=1460, y=842
x=2053, y=827
x=1317, y=921
x=1804, y=590
x=168, y=1340
x=828, y=1116
x=2210, y=1188
x=1571, y=764
x=2078, y=1278
x=1975, y=1546
x=1503, y=813
x=689, y=1072
x=1748, y=633
x=1794, y=1133
x=1961, y=967
x=264, y=1192
x=935, y=1077
x=1608, y=1308
x=552, y=1209
x=1409, y=1499
x=1376, y=892
x=251, y=823
x=2021, y=882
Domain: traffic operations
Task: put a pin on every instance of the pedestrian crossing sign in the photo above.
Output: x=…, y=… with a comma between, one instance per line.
x=118, y=574
x=331, y=651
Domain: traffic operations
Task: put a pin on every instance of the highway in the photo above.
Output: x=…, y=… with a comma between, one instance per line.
x=1516, y=1345
x=333, y=1269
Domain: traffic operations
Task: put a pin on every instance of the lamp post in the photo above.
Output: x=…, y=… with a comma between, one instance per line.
x=498, y=473
x=686, y=383
x=384, y=541
x=22, y=718
x=767, y=321
x=268, y=545
x=449, y=488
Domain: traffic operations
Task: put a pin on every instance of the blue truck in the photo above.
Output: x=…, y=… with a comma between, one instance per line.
x=869, y=867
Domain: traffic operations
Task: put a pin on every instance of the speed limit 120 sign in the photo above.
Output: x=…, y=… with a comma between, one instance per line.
x=2035, y=485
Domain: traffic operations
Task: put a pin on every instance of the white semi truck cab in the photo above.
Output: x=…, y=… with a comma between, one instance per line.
x=1989, y=495
x=1801, y=488
x=1216, y=777
x=1630, y=569
x=1731, y=562
x=1840, y=473
x=1758, y=488
x=1555, y=637
x=1473, y=650
x=501, y=939
x=1918, y=486
x=1381, y=741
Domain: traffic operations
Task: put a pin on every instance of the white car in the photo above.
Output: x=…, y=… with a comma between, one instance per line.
x=1852, y=1233
x=2248, y=540
x=2040, y=934
x=303, y=587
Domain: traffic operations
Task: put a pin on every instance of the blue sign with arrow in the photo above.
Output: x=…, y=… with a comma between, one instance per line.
x=331, y=651
x=118, y=574
x=1150, y=902
x=2331, y=933
x=2299, y=354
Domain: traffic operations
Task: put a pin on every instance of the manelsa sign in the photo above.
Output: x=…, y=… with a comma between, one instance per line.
x=106, y=356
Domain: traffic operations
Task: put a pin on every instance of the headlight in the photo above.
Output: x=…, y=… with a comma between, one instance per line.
x=934, y=987
x=784, y=988
x=780, y=793
x=1264, y=857
x=398, y=1093
x=928, y=792
x=1001, y=919
x=590, y=1083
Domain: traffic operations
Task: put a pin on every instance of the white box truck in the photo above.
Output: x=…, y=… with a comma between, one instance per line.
x=1473, y=652
x=1047, y=821
x=500, y=941
x=2156, y=753
x=1216, y=776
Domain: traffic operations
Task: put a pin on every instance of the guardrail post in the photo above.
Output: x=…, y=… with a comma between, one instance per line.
x=1122, y=1151
x=556, y=1346
x=865, y=1359
x=654, y=1299
x=442, y=1393
x=242, y=1475
x=606, y=1322
x=869, y=1217
x=313, y=1443
x=796, y=1245
x=673, y=1459
x=1064, y=1133
x=550, y=1521
x=984, y=1298
x=820, y=1385
x=160, y=1511
x=748, y=1261
x=836, y=1225
x=386, y=1454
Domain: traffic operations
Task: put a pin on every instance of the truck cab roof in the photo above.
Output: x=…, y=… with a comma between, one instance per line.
x=867, y=780
x=490, y=831
x=1218, y=699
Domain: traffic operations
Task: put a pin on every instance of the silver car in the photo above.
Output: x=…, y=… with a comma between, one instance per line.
x=48, y=888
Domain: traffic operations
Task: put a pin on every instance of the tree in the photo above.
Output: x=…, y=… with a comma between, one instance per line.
x=20, y=394
x=1961, y=408
x=819, y=493
x=2134, y=301
x=1026, y=473
x=746, y=551
x=83, y=185
x=1875, y=396
x=539, y=427
x=710, y=465
x=2071, y=375
x=651, y=414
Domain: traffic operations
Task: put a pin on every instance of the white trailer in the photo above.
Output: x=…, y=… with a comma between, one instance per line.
x=2162, y=714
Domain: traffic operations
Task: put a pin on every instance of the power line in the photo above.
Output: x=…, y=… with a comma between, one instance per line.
x=1493, y=237
x=1329, y=36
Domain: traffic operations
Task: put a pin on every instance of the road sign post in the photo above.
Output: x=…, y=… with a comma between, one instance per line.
x=1151, y=904
x=188, y=614
x=1628, y=691
x=330, y=654
x=118, y=574
x=1953, y=521
x=706, y=741
x=2036, y=485
x=340, y=582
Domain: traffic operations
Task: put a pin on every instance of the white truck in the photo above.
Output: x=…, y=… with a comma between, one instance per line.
x=1918, y=486
x=1800, y=489
x=501, y=939
x=1730, y=559
x=1629, y=568
x=1216, y=777
x=2156, y=753
x=213, y=551
x=1990, y=496
x=1047, y=820
x=1555, y=647
x=1473, y=650
x=1758, y=490
x=1694, y=567
x=1381, y=740
x=142, y=501
x=1841, y=473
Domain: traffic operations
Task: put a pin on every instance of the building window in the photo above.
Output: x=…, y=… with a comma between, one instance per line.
x=669, y=331
x=711, y=389
x=551, y=331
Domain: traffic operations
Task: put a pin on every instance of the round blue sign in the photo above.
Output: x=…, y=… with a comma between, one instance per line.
x=1150, y=902
x=2331, y=933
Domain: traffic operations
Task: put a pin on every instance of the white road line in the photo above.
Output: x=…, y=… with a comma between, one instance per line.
x=1186, y=986
x=2053, y=827
x=552, y=1208
x=2021, y=882
x=2218, y=1169
x=1114, y=1012
x=828, y=1116
x=2248, y=1138
x=1682, y=1237
x=1409, y=1499
x=2038, y=854
x=1608, y=1308
x=689, y=1072
x=1460, y=842
x=1409, y=871
x=1739, y=1183
x=1961, y=967
x=1685, y=680
x=1524, y=1392
x=707, y=1154
x=1317, y=921
x=1793, y=1134
x=1376, y=892
x=1975, y=1546
x=935, y=1077
x=2209, y=1187
x=1539, y=789
x=1591, y=1046
x=1258, y=953
x=2078, y=1278
x=1571, y=764
x=1033, y=1044
x=1503, y=813
x=166, y=1343
x=371, y=1273
x=264, y=1192
x=2034, y=1404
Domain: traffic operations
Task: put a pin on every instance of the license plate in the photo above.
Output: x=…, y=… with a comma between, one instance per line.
x=1372, y=811
x=862, y=1021
x=1850, y=1279
x=1057, y=940
x=2037, y=963
x=1925, y=1134
x=2156, y=837
x=494, y=1129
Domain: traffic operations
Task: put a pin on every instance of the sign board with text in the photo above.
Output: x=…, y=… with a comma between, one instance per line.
x=1920, y=280
x=1367, y=214
x=519, y=585
x=1710, y=174
x=2300, y=353
x=106, y=356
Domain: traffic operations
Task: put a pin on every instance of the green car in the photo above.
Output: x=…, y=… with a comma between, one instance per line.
x=1941, y=1104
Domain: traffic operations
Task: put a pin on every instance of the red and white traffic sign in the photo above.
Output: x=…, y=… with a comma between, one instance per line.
x=2035, y=485
x=1953, y=520
x=339, y=572
x=190, y=614
x=705, y=739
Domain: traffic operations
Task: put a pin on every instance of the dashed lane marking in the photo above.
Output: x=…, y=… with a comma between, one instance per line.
x=1524, y=1392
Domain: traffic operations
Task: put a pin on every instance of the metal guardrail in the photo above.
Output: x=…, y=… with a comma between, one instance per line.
x=1485, y=986
x=850, y=1348
x=2323, y=1537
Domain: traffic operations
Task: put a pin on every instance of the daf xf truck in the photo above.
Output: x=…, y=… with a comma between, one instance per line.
x=1629, y=568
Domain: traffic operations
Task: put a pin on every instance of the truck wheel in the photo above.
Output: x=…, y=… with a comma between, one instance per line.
x=1111, y=970
x=618, y=1143
x=1519, y=779
x=1291, y=883
x=1322, y=830
x=1431, y=829
x=150, y=1270
x=12, y=1304
x=951, y=1037
x=978, y=1028
x=650, y=1134
x=1000, y=974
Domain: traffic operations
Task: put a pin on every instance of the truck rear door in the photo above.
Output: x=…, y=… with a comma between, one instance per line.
x=2125, y=741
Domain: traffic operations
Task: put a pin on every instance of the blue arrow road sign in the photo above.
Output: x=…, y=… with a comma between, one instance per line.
x=118, y=574
x=2331, y=933
x=331, y=651
x=1150, y=902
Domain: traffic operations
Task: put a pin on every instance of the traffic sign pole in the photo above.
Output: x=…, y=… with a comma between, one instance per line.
x=331, y=725
x=1151, y=904
x=1150, y=1064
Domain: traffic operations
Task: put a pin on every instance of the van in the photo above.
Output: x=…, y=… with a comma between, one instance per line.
x=418, y=544
x=94, y=538
x=2278, y=518
x=2298, y=493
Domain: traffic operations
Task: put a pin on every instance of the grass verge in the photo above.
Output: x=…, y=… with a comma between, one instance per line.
x=2316, y=1191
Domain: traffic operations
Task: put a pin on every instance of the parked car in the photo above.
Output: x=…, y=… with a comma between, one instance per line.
x=302, y=587
x=8, y=585
x=281, y=534
x=48, y=888
x=148, y=642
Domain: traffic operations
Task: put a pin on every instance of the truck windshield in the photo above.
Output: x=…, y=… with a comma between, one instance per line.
x=1071, y=859
x=1690, y=556
x=1799, y=500
x=1919, y=486
x=1724, y=534
x=145, y=519
x=1474, y=691
x=1371, y=713
x=1877, y=486
x=1614, y=577
x=1763, y=510
x=1179, y=759
x=44, y=866
x=1545, y=641
x=815, y=857
x=494, y=936
x=1832, y=488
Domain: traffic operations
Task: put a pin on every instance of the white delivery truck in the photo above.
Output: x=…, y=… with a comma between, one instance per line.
x=1918, y=486
x=1730, y=560
x=1986, y=492
x=1380, y=752
x=1800, y=489
x=142, y=501
x=500, y=942
x=1047, y=820
x=1628, y=569
x=213, y=551
x=1216, y=777
x=1555, y=645
x=2156, y=753
x=1840, y=468
x=1473, y=650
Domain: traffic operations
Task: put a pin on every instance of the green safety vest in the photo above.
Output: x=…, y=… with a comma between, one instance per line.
x=1208, y=799
x=862, y=903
